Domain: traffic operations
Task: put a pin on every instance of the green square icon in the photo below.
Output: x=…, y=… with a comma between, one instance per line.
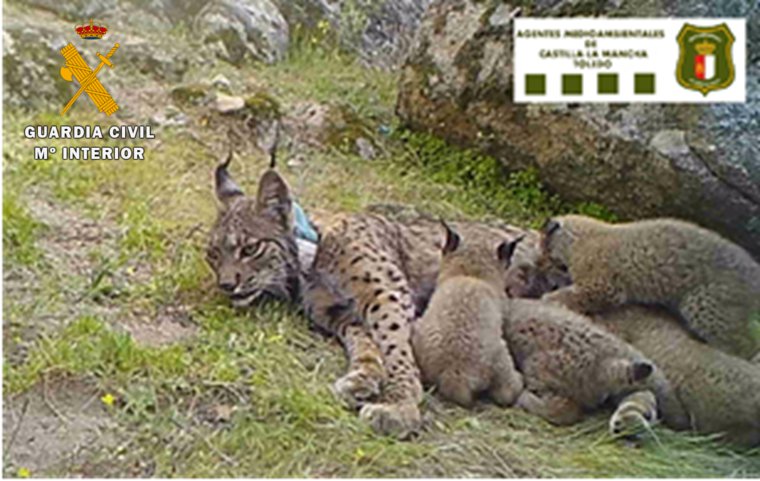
x=607, y=83
x=572, y=84
x=535, y=84
x=643, y=83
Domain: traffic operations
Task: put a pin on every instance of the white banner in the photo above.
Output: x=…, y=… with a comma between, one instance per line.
x=630, y=60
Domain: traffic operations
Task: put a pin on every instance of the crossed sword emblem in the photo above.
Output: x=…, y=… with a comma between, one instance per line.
x=88, y=79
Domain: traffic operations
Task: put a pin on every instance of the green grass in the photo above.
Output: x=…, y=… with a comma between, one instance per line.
x=265, y=364
x=19, y=232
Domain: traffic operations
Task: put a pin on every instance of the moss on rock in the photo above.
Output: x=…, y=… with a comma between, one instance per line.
x=263, y=106
x=190, y=94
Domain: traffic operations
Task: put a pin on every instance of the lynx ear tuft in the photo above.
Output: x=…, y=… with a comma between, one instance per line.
x=452, y=239
x=226, y=188
x=274, y=146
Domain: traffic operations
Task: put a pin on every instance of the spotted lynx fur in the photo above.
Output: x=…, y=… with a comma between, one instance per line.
x=458, y=341
x=370, y=278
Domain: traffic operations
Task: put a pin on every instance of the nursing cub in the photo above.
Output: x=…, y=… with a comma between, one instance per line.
x=458, y=341
x=551, y=361
x=571, y=365
x=719, y=392
x=711, y=283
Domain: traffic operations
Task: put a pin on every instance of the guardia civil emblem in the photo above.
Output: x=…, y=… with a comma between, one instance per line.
x=705, y=62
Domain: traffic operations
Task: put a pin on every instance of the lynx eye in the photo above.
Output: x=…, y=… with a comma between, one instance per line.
x=212, y=254
x=251, y=250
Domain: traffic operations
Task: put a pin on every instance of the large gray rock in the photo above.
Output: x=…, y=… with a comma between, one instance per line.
x=31, y=64
x=242, y=30
x=388, y=32
x=33, y=38
x=641, y=160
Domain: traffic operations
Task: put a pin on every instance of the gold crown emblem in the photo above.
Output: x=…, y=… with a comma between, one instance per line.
x=705, y=48
x=91, y=31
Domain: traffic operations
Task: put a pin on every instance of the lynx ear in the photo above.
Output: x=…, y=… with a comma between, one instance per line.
x=506, y=250
x=640, y=370
x=452, y=239
x=226, y=188
x=550, y=226
x=273, y=199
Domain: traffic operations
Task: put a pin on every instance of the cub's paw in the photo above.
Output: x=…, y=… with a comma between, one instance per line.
x=402, y=420
x=358, y=387
x=635, y=415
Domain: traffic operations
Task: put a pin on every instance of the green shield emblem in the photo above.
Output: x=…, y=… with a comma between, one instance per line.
x=705, y=62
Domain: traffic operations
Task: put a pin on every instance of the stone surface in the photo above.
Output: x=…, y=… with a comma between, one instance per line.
x=163, y=40
x=699, y=162
x=226, y=103
x=243, y=30
x=379, y=31
x=33, y=38
x=29, y=62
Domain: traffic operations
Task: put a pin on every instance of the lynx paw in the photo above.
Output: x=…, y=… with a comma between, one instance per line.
x=399, y=420
x=634, y=416
x=358, y=387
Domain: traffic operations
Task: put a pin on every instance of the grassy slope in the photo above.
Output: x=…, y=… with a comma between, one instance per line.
x=266, y=363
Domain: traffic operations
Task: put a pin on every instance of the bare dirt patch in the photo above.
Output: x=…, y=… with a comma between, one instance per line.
x=55, y=425
x=172, y=324
x=42, y=298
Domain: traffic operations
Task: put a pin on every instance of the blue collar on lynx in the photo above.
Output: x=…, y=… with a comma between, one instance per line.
x=304, y=229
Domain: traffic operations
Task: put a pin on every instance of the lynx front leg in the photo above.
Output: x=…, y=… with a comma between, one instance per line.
x=333, y=311
x=366, y=372
x=388, y=312
x=555, y=409
x=507, y=382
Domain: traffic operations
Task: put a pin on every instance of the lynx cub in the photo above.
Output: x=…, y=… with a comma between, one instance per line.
x=569, y=364
x=713, y=284
x=458, y=341
x=720, y=393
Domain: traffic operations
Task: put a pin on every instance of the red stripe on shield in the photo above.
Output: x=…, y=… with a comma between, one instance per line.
x=699, y=67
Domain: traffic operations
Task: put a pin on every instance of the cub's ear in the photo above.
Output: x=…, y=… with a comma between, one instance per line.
x=506, y=250
x=550, y=226
x=641, y=370
x=226, y=188
x=452, y=239
x=273, y=199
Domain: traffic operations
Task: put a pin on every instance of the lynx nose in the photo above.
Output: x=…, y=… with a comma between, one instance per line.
x=227, y=287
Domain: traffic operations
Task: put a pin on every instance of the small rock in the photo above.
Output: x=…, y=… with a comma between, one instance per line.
x=222, y=83
x=670, y=143
x=502, y=15
x=226, y=104
x=167, y=119
x=223, y=412
x=365, y=149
